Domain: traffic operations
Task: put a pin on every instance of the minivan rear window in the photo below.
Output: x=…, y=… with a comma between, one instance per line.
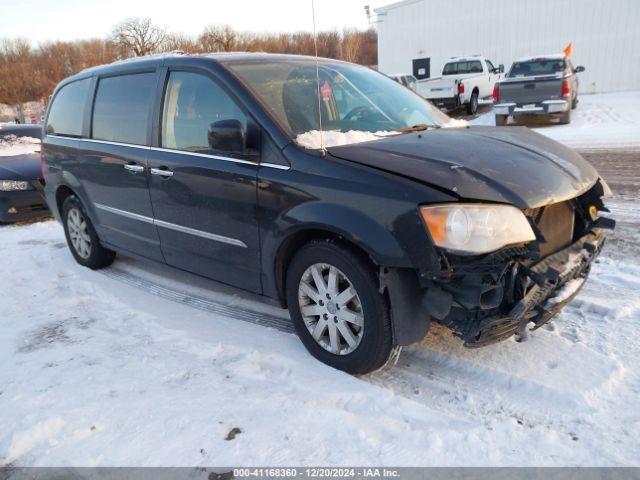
x=121, y=108
x=67, y=110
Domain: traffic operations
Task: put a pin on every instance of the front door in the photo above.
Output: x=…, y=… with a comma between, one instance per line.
x=204, y=199
x=112, y=163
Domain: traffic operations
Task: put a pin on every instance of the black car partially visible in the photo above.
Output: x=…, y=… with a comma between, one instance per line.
x=20, y=173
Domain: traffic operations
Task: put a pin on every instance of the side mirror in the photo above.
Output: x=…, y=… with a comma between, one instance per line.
x=501, y=68
x=227, y=136
x=578, y=69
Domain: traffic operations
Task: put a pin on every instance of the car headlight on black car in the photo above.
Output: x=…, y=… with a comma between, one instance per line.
x=474, y=229
x=14, y=185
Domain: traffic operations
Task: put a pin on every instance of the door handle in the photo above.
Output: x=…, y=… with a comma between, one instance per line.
x=133, y=168
x=162, y=172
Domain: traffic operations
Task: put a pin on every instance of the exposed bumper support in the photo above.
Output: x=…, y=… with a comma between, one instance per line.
x=560, y=278
x=543, y=108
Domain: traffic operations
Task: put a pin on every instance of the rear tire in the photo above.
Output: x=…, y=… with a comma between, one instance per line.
x=574, y=102
x=472, y=106
x=82, y=238
x=501, y=120
x=322, y=274
x=565, y=118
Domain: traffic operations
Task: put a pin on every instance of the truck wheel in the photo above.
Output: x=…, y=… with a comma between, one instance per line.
x=472, y=106
x=82, y=238
x=574, y=102
x=337, y=310
x=565, y=118
x=501, y=120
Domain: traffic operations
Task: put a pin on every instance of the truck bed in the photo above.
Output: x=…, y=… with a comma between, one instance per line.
x=530, y=90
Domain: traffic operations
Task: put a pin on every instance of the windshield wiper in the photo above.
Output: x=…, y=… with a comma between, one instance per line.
x=416, y=128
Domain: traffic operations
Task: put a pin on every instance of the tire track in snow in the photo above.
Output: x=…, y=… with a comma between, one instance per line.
x=440, y=379
x=200, y=303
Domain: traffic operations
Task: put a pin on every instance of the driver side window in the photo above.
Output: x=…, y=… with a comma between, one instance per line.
x=192, y=103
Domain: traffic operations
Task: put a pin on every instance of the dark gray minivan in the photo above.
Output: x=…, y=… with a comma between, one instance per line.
x=367, y=232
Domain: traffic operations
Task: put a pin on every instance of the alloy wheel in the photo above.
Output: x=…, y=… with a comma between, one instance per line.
x=78, y=232
x=331, y=308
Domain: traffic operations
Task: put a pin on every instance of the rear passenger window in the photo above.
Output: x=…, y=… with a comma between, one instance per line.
x=450, y=69
x=192, y=103
x=67, y=110
x=475, y=67
x=121, y=108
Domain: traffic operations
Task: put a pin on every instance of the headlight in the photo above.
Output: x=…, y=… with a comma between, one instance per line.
x=12, y=185
x=472, y=229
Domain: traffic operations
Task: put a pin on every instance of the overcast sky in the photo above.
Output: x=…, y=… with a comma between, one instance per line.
x=41, y=20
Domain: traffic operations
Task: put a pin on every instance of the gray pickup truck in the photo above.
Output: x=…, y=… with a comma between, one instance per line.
x=544, y=85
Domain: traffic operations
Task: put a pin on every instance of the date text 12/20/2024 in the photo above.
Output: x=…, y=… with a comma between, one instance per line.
x=315, y=472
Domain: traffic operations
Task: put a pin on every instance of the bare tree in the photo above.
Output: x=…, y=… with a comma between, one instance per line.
x=219, y=39
x=178, y=41
x=138, y=36
x=31, y=73
x=351, y=41
x=16, y=85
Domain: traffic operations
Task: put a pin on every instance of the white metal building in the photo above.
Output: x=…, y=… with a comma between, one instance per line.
x=605, y=35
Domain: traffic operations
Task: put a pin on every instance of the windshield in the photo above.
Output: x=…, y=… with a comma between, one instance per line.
x=351, y=97
x=534, y=68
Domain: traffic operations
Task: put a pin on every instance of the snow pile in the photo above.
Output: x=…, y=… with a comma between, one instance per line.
x=604, y=120
x=314, y=139
x=12, y=145
x=566, y=291
x=331, y=138
x=456, y=123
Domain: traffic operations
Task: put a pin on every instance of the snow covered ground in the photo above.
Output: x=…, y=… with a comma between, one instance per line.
x=141, y=365
x=605, y=120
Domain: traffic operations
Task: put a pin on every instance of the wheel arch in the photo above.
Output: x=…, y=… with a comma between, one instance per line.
x=297, y=239
x=62, y=193
x=409, y=318
x=323, y=220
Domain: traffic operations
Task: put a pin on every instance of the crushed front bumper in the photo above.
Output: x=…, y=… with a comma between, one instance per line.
x=558, y=279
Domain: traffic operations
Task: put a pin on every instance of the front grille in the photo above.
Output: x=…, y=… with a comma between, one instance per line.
x=556, y=223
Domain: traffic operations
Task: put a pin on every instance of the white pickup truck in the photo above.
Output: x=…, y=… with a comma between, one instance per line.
x=464, y=81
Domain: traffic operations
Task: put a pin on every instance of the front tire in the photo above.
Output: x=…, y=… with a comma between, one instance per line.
x=82, y=238
x=337, y=310
x=472, y=106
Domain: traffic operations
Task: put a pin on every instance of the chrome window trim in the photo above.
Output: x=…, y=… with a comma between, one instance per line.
x=205, y=155
x=173, y=226
x=275, y=165
x=182, y=152
x=109, y=142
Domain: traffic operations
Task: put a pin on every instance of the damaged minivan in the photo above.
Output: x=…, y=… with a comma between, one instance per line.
x=328, y=187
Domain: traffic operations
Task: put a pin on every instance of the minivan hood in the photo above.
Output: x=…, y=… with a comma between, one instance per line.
x=508, y=165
